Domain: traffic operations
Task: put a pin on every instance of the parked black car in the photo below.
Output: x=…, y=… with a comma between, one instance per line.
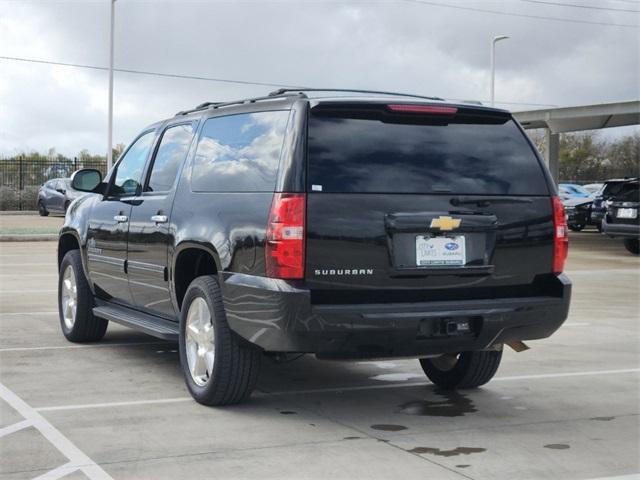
x=621, y=219
x=578, y=211
x=599, y=207
x=55, y=196
x=348, y=225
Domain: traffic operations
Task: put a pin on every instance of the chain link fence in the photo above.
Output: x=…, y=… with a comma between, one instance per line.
x=20, y=178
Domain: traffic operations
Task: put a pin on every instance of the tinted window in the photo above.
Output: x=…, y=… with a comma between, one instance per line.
x=470, y=157
x=129, y=170
x=612, y=188
x=629, y=192
x=239, y=153
x=171, y=152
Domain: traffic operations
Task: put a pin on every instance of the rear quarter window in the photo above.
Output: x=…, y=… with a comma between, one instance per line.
x=239, y=153
x=463, y=156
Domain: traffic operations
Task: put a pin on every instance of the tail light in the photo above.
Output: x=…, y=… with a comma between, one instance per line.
x=560, y=236
x=284, y=249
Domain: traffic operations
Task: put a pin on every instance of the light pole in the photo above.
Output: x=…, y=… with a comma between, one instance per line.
x=110, y=121
x=493, y=65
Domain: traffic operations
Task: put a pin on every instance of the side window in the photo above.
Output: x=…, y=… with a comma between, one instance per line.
x=239, y=153
x=129, y=170
x=173, y=148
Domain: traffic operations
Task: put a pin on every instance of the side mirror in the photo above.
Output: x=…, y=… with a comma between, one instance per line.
x=86, y=180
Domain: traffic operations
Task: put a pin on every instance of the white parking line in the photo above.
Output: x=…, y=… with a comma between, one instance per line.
x=25, y=264
x=78, y=460
x=21, y=275
x=52, y=312
x=568, y=374
x=633, y=476
x=92, y=345
x=632, y=269
x=40, y=290
x=333, y=390
x=112, y=404
x=7, y=314
x=496, y=379
x=23, y=254
x=14, y=428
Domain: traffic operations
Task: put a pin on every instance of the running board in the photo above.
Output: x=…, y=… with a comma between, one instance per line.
x=150, y=324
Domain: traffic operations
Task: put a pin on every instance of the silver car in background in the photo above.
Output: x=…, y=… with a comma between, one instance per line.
x=55, y=196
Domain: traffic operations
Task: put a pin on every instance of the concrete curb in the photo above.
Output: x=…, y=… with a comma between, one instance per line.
x=38, y=237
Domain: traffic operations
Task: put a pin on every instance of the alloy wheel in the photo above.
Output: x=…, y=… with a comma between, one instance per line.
x=200, y=341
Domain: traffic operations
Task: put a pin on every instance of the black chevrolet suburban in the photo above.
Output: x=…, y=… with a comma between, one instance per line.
x=347, y=224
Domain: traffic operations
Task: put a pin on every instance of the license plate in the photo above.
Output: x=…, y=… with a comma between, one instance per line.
x=627, y=213
x=440, y=251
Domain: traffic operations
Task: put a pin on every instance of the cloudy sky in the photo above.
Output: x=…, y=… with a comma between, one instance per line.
x=438, y=47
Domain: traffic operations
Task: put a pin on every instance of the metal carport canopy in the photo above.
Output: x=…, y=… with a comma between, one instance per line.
x=575, y=119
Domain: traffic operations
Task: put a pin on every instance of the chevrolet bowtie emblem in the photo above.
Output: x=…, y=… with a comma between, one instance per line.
x=445, y=223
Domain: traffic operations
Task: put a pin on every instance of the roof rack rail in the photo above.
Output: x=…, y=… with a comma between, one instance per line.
x=282, y=91
x=207, y=105
x=291, y=92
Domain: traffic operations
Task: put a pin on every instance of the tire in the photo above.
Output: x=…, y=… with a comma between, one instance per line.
x=66, y=205
x=576, y=228
x=599, y=227
x=42, y=210
x=632, y=245
x=467, y=370
x=79, y=325
x=228, y=374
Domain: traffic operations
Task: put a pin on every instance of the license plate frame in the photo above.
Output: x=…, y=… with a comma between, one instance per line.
x=440, y=251
x=629, y=213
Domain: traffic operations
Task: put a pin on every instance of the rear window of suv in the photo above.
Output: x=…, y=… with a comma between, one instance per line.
x=463, y=155
x=611, y=189
x=629, y=192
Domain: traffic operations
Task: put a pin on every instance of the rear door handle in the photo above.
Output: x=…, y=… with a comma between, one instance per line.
x=121, y=218
x=159, y=218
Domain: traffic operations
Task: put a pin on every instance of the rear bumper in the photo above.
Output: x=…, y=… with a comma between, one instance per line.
x=626, y=230
x=278, y=316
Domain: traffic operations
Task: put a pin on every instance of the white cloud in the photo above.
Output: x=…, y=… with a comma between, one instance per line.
x=391, y=45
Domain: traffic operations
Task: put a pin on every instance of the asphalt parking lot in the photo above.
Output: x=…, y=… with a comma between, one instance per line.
x=568, y=408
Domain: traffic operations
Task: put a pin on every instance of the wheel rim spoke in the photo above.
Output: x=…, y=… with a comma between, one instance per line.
x=209, y=358
x=200, y=341
x=69, y=297
x=191, y=357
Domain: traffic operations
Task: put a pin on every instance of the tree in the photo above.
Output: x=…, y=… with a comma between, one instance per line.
x=117, y=151
x=581, y=157
x=624, y=156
